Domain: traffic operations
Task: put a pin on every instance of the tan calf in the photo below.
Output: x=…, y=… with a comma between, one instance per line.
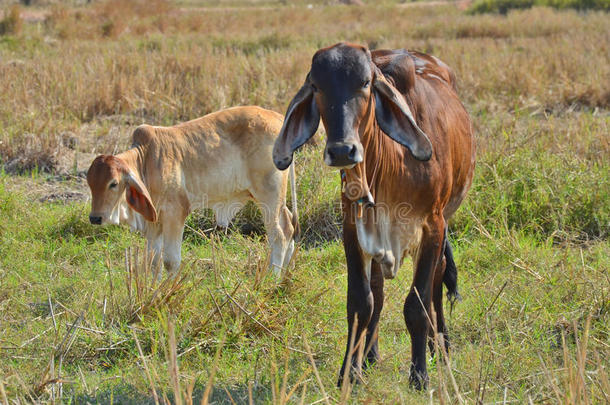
x=219, y=161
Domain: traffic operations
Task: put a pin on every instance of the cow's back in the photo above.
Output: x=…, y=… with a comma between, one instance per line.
x=213, y=158
x=429, y=87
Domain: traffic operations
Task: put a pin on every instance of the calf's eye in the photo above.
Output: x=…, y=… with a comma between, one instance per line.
x=366, y=84
x=113, y=185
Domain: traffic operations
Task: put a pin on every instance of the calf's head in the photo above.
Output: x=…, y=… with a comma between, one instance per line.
x=343, y=88
x=110, y=179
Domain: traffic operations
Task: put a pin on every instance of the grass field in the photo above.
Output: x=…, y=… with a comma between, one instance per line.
x=80, y=319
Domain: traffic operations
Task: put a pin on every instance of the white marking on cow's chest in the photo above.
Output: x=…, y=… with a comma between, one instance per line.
x=386, y=239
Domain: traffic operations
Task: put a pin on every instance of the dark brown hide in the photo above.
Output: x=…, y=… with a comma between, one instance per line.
x=399, y=108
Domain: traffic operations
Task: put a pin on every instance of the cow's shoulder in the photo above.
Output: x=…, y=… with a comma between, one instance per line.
x=397, y=66
x=432, y=67
x=403, y=67
x=143, y=135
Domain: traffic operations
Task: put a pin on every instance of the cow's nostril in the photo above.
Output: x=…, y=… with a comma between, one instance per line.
x=95, y=220
x=352, y=153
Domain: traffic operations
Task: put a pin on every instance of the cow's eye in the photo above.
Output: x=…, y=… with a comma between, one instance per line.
x=366, y=84
x=314, y=88
x=113, y=185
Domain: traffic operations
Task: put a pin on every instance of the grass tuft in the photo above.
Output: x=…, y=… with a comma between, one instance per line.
x=11, y=23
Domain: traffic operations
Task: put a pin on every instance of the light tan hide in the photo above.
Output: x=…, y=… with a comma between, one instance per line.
x=219, y=161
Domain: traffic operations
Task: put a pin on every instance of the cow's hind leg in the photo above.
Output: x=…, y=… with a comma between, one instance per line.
x=270, y=195
x=447, y=275
x=437, y=300
x=417, y=315
x=288, y=230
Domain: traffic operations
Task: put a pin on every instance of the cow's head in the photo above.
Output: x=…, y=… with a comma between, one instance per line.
x=110, y=179
x=343, y=88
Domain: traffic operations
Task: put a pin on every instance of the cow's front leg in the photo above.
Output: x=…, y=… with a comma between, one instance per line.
x=172, y=243
x=377, y=281
x=359, y=302
x=417, y=315
x=154, y=245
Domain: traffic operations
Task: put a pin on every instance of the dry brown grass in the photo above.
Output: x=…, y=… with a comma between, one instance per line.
x=11, y=22
x=110, y=59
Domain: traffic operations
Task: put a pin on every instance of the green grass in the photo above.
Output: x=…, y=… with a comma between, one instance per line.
x=524, y=287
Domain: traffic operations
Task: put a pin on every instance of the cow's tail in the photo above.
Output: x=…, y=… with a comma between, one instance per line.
x=450, y=278
x=295, y=211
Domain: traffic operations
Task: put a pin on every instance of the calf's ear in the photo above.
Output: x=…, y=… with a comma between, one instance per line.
x=396, y=119
x=138, y=198
x=301, y=122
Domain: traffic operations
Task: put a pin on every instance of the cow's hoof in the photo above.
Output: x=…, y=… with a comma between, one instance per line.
x=354, y=378
x=418, y=380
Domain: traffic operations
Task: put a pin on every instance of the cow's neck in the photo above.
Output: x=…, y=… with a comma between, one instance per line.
x=134, y=159
x=373, y=223
x=379, y=160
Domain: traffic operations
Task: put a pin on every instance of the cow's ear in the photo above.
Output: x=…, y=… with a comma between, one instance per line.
x=138, y=198
x=301, y=122
x=396, y=120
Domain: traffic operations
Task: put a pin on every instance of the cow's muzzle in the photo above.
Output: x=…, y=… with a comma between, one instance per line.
x=343, y=154
x=95, y=220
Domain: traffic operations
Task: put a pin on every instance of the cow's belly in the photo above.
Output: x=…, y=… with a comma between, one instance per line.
x=224, y=189
x=409, y=235
x=219, y=185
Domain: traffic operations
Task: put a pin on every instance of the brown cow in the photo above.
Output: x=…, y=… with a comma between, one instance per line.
x=219, y=161
x=399, y=190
